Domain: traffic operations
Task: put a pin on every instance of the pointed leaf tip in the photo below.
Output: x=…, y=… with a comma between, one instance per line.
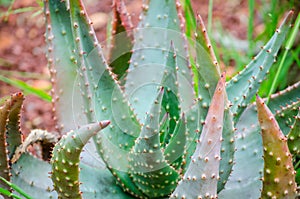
x=241, y=88
x=279, y=173
x=205, y=161
x=104, y=123
x=69, y=149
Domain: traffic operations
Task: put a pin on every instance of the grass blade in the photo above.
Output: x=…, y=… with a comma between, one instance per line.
x=16, y=188
x=251, y=5
x=26, y=88
x=7, y=193
x=210, y=13
x=287, y=49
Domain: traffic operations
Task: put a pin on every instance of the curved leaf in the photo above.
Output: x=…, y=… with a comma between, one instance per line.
x=159, y=20
x=279, y=173
x=149, y=169
x=242, y=87
x=244, y=180
x=121, y=40
x=294, y=136
x=10, y=136
x=65, y=159
x=38, y=185
x=63, y=68
x=201, y=178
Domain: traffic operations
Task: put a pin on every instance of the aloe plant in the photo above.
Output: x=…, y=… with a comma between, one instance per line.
x=173, y=129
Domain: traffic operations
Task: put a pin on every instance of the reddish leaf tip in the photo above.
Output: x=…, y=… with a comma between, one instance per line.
x=104, y=123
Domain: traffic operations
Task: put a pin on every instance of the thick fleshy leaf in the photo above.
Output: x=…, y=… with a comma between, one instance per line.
x=10, y=109
x=103, y=92
x=116, y=159
x=116, y=141
x=65, y=159
x=99, y=183
x=174, y=151
x=192, y=133
x=108, y=95
x=72, y=98
x=121, y=40
x=85, y=42
x=284, y=105
x=45, y=138
x=13, y=130
x=159, y=20
x=38, y=185
x=249, y=146
x=286, y=116
x=171, y=98
x=285, y=97
x=279, y=173
x=201, y=177
x=227, y=148
x=247, y=157
x=294, y=136
x=208, y=72
x=242, y=87
x=206, y=62
x=62, y=61
x=149, y=169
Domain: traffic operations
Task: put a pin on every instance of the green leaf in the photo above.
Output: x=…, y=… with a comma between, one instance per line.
x=286, y=116
x=227, y=149
x=175, y=150
x=121, y=41
x=7, y=193
x=285, y=97
x=149, y=169
x=99, y=89
x=208, y=72
x=13, y=134
x=16, y=188
x=279, y=173
x=26, y=88
x=63, y=68
x=206, y=61
x=242, y=87
x=171, y=98
x=101, y=184
x=10, y=136
x=38, y=185
x=294, y=137
x=288, y=46
x=90, y=67
x=284, y=105
x=159, y=20
x=201, y=178
x=249, y=146
x=67, y=150
x=247, y=157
